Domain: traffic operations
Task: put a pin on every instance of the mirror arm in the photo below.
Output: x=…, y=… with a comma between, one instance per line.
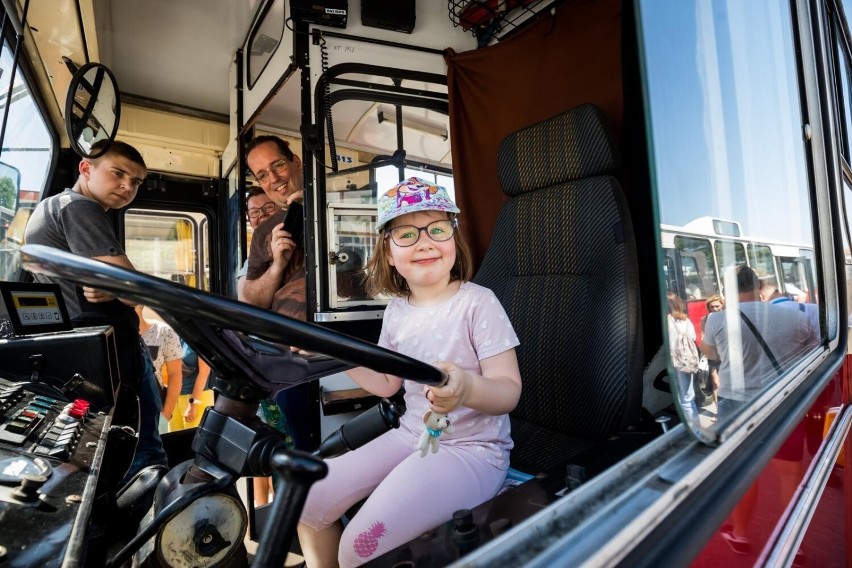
x=72, y=67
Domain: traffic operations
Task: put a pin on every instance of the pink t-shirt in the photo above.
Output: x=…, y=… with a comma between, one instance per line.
x=464, y=329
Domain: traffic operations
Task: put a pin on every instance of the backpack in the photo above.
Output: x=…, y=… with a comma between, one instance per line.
x=685, y=355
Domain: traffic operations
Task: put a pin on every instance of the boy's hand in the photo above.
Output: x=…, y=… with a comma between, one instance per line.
x=447, y=398
x=96, y=296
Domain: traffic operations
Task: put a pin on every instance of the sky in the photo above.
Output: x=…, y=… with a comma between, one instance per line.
x=725, y=115
x=27, y=144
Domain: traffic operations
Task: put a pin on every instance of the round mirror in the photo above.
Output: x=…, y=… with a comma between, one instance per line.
x=92, y=110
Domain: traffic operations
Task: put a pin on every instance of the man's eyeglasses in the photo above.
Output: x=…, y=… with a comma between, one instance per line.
x=407, y=235
x=278, y=166
x=267, y=208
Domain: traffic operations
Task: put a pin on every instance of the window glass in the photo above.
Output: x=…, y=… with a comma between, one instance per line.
x=168, y=245
x=797, y=278
x=845, y=101
x=265, y=40
x=699, y=274
x=351, y=193
x=724, y=110
x=172, y=245
x=24, y=165
x=729, y=254
x=352, y=240
x=761, y=259
x=847, y=249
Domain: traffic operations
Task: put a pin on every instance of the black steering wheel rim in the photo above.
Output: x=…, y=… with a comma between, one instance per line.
x=190, y=310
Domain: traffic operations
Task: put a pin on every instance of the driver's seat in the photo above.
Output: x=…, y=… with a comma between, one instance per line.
x=562, y=261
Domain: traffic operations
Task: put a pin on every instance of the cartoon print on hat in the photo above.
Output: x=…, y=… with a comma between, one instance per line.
x=410, y=196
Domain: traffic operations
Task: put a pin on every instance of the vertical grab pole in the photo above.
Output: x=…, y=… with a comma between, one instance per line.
x=298, y=471
x=12, y=16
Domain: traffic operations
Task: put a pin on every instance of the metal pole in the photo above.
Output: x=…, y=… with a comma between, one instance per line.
x=18, y=25
x=298, y=471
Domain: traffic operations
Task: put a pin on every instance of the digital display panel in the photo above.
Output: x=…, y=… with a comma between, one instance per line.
x=30, y=301
x=34, y=308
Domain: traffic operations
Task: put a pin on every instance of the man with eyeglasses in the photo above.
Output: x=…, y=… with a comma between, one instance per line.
x=275, y=278
x=276, y=264
x=258, y=209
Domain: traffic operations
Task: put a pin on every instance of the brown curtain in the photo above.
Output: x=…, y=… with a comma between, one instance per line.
x=561, y=61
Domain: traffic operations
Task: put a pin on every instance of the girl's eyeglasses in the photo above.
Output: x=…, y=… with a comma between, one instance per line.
x=407, y=235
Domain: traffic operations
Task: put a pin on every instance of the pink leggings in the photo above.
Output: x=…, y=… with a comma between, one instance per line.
x=408, y=495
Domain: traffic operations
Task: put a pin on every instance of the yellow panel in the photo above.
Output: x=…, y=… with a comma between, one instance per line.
x=174, y=143
x=204, y=134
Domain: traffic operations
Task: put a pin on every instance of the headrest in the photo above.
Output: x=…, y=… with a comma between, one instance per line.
x=573, y=145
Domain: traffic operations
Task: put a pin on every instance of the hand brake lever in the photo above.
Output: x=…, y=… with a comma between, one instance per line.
x=364, y=428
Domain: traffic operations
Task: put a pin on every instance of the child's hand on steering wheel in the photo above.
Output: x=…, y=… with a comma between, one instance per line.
x=453, y=394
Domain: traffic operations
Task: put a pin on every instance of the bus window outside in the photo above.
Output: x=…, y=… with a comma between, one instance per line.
x=26, y=156
x=737, y=126
x=761, y=259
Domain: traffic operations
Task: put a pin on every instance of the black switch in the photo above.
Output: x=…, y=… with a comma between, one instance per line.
x=465, y=532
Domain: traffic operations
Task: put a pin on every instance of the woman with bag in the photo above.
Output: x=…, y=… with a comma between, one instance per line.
x=684, y=353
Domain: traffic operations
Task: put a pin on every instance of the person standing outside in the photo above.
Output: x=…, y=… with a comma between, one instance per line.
x=165, y=351
x=76, y=221
x=746, y=368
x=680, y=327
x=195, y=393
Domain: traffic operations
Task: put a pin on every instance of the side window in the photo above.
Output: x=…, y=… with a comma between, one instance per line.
x=729, y=254
x=844, y=97
x=712, y=159
x=697, y=266
x=265, y=40
x=761, y=259
x=24, y=164
x=169, y=245
x=419, y=147
x=797, y=278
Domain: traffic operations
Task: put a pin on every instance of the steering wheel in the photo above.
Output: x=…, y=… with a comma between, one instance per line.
x=208, y=321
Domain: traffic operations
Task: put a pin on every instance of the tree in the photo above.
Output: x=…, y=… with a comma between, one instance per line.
x=8, y=192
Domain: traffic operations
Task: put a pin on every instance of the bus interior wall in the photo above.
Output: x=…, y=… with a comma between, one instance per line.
x=576, y=62
x=577, y=58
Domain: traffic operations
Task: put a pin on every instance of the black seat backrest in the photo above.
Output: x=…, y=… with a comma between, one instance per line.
x=562, y=261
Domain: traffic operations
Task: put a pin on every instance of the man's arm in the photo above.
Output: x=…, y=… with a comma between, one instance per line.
x=261, y=290
x=710, y=351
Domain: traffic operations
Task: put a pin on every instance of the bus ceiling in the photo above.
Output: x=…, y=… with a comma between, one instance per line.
x=146, y=49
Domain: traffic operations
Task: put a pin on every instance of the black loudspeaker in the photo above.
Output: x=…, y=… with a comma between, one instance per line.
x=331, y=13
x=395, y=15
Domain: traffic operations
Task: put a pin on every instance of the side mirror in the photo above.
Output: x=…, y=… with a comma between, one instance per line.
x=92, y=110
x=10, y=187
